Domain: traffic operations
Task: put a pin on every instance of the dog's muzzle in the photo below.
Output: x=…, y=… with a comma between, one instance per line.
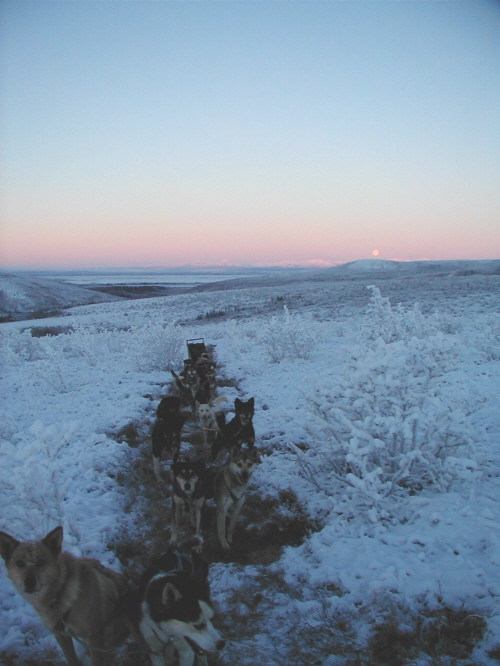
x=29, y=583
x=195, y=647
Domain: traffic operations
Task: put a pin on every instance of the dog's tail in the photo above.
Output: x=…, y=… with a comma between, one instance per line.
x=218, y=401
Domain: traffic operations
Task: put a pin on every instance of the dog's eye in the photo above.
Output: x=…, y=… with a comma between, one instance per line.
x=20, y=564
x=40, y=562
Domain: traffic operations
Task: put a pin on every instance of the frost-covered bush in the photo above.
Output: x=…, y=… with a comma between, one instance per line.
x=20, y=346
x=158, y=346
x=288, y=335
x=383, y=321
x=42, y=489
x=396, y=422
x=95, y=344
x=487, y=337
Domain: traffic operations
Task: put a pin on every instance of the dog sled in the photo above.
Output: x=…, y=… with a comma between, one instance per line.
x=196, y=349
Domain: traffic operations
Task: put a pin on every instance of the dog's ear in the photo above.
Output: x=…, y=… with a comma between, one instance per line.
x=251, y=402
x=237, y=403
x=7, y=546
x=170, y=595
x=53, y=541
x=234, y=452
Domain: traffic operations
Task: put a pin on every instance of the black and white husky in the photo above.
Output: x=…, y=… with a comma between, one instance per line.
x=188, y=492
x=175, y=611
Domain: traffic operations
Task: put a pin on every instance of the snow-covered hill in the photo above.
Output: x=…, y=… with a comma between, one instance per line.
x=23, y=297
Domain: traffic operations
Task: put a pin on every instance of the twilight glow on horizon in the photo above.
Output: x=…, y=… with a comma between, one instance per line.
x=247, y=133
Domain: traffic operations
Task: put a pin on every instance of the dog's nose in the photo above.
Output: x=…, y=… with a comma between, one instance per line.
x=220, y=644
x=187, y=486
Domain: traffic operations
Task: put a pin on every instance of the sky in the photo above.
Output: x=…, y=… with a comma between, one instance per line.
x=139, y=134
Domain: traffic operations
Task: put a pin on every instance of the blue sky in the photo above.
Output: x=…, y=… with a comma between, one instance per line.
x=164, y=133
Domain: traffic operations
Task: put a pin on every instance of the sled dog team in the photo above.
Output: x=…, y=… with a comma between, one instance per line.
x=170, y=613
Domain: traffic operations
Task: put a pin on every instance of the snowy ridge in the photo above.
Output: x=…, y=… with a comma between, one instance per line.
x=24, y=296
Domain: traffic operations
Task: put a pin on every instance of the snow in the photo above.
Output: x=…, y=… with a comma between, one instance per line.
x=21, y=296
x=383, y=420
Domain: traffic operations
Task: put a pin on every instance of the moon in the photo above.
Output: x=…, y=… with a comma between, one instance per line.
x=375, y=253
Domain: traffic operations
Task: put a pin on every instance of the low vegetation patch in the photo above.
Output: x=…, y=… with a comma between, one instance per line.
x=43, y=331
x=445, y=635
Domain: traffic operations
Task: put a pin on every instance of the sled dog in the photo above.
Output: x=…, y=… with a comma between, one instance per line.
x=207, y=416
x=188, y=492
x=238, y=431
x=175, y=612
x=74, y=596
x=229, y=487
x=166, y=431
x=188, y=383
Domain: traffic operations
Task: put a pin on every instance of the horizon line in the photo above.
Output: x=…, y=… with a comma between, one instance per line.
x=202, y=267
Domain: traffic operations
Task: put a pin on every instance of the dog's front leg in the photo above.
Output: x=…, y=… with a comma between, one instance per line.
x=196, y=508
x=234, y=517
x=157, y=469
x=66, y=643
x=176, y=519
x=221, y=514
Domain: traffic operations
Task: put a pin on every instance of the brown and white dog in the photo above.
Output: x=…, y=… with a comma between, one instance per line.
x=72, y=595
x=187, y=384
x=228, y=487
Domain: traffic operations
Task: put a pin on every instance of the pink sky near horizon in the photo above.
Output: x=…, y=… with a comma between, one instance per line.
x=164, y=134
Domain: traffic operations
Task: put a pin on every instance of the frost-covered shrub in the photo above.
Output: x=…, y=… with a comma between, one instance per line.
x=383, y=321
x=288, y=335
x=42, y=489
x=52, y=372
x=396, y=422
x=487, y=337
x=20, y=346
x=95, y=344
x=158, y=346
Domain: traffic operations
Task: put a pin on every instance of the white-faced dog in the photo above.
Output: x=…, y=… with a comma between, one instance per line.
x=207, y=416
x=175, y=614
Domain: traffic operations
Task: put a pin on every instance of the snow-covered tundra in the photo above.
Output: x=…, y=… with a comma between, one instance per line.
x=378, y=420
